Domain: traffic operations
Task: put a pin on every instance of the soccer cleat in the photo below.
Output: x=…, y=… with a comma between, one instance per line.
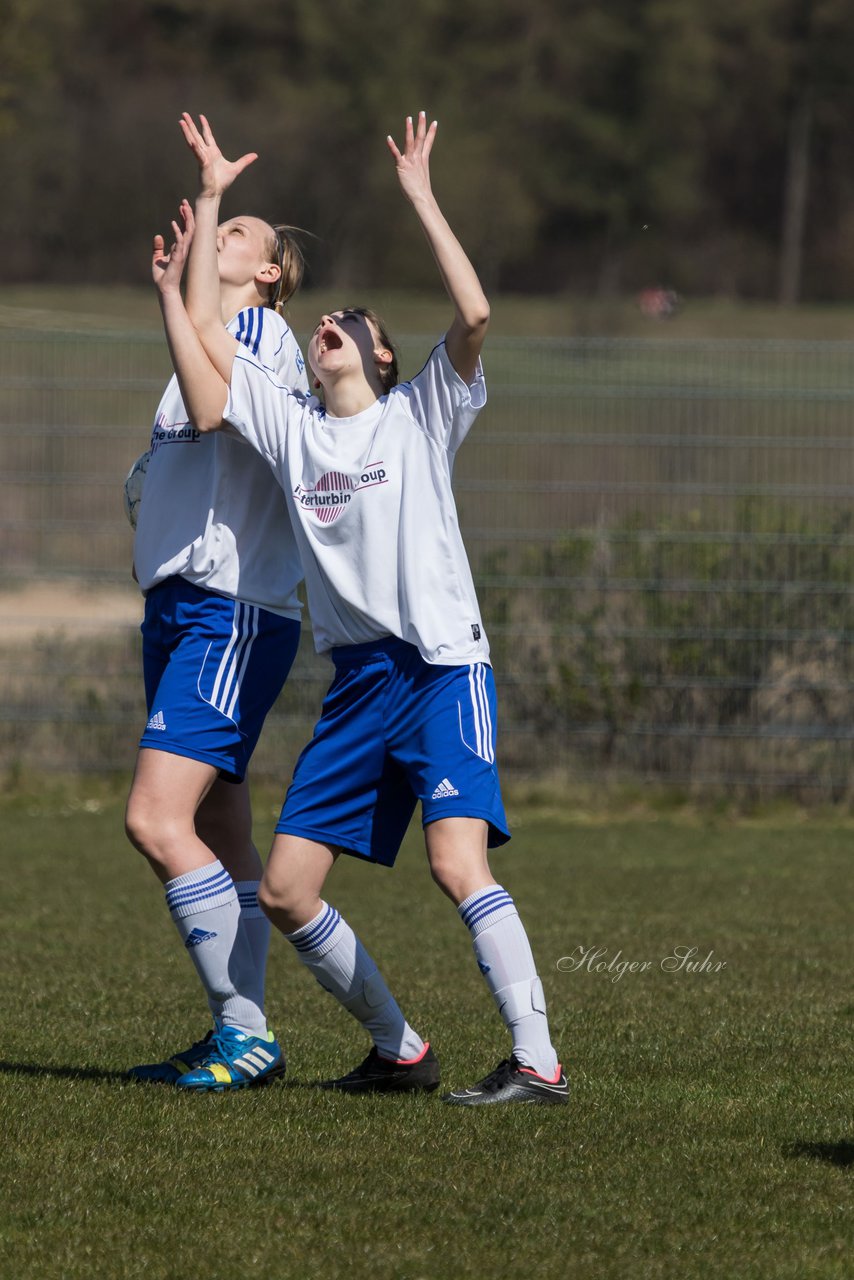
x=385, y=1075
x=234, y=1060
x=179, y=1064
x=512, y=1082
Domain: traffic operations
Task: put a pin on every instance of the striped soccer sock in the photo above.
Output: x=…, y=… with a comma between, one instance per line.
x=330, y=949
x=505, y=959
x=204, y=905
x=256, y=927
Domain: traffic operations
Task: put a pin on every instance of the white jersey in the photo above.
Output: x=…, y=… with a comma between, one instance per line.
x=373, y=510
x=211, y=512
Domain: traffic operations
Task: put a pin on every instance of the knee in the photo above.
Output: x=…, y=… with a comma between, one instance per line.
x=285, y=903
x=458, y=875
x=457, y=853
x=450, y=877
x=148, y=831
x=138, y=824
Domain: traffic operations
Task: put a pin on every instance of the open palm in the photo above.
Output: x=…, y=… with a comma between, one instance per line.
x=413, y=163
x=216, y=174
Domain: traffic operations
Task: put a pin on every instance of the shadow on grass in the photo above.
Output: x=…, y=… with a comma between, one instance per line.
x=838, y=1153
x=63, y=1073
x=96, y=1073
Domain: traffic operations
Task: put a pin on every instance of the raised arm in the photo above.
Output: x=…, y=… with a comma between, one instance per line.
x=465, y=337
x=204, y=305
x=203, y=389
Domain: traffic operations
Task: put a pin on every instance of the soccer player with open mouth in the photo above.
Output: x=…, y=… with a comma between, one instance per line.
x=410, y=715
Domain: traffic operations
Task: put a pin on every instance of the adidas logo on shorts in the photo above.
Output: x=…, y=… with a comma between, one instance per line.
x=157, y=722
x=445, y=788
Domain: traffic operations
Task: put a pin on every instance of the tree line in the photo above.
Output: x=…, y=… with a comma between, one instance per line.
x=586, y=146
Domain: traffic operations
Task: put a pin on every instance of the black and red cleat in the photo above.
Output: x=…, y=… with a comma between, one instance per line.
x=385, y=1075
x=513, y=1082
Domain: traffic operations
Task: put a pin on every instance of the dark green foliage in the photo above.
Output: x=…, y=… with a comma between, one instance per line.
x=582, y=146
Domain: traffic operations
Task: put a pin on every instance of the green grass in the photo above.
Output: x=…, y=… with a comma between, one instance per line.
x=709, y=1128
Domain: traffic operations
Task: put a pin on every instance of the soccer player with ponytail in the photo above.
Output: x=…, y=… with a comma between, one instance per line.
x=215, y=556
x=410, y=715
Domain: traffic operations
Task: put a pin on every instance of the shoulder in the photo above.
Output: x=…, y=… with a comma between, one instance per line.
x=436, y=361
x=254, y=326
x=436, y=381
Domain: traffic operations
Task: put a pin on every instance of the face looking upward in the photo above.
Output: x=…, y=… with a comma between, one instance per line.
x=242, y=253
x=346, y=343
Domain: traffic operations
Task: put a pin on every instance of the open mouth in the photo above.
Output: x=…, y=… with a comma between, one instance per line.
x=329, y=341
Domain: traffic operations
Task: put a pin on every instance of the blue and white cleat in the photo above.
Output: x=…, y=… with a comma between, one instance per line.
x=170, y=1071
x=235, y=1060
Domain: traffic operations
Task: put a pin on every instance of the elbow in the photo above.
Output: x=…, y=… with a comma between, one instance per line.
x=208, y=419
x=206, y=425
x=477, y=322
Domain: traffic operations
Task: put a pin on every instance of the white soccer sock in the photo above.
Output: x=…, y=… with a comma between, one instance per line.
x=330, y=949
x=505, y=959
x=256, y=926
x=206, y=911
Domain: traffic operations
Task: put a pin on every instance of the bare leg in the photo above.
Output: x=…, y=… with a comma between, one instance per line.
x=325, y=943
x=457, y=850
x=224, y=824
x=293, y=880
x=166, y=792
x=160, y=819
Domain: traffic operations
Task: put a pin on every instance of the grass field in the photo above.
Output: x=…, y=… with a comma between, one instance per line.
x=709, y=1132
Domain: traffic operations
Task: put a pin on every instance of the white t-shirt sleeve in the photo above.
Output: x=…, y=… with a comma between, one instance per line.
x=443, y=405
x=271, y=341
x=259, y=407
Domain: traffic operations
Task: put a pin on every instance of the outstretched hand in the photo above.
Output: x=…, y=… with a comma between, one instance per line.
x=216, y=174
x=413, y=164
x=167, y=268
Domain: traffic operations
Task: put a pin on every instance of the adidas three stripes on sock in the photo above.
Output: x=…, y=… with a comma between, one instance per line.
x=206, y=910
x=504, y=957
x=330, y=949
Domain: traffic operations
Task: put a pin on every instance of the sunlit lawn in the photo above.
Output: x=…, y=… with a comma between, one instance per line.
x=709, y=1132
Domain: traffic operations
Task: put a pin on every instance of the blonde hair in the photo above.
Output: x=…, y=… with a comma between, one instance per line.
x=284, y=249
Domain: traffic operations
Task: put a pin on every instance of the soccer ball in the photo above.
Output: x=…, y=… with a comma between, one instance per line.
x=134, y=486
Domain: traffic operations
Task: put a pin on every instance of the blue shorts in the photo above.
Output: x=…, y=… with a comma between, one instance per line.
x=213, y=667
x=395, y=729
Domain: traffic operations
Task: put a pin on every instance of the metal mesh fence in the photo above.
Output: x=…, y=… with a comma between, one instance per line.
x=661, y=533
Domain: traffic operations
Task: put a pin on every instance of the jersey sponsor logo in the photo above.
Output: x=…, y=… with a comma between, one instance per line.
x=157, y=721
x=164, y=432
x=197, y=937
x=445, y=789
x=334, y=490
